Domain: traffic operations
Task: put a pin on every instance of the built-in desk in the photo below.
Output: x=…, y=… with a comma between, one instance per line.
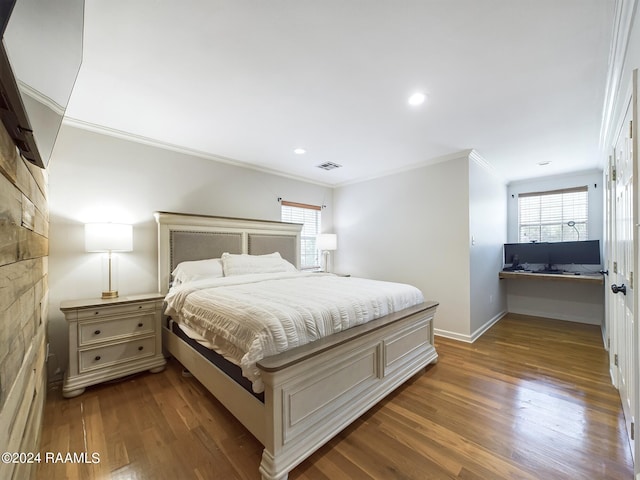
x=558, y=277
x=576, y=298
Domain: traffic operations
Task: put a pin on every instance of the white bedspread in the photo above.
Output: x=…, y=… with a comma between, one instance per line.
x=248, y=317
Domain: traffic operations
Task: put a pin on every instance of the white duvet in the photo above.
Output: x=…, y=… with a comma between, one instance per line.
x=248, y=317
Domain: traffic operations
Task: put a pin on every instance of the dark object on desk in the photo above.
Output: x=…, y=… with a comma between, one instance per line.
x=518, y=268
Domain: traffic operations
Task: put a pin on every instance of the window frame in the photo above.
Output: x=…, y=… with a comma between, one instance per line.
x=558, y=222
x=308, y=234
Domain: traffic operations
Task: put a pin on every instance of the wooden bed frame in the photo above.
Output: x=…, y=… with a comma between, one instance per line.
x=352, y=370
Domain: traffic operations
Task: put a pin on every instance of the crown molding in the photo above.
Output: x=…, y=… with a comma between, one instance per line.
x=112, y=132
x=81, y=124
x=40, y=97
x=555, y=176
x=479, y=160
x=470, y=154
x=408, y=168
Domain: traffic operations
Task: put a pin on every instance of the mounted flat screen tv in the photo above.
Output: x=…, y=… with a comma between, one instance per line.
x=40, y=55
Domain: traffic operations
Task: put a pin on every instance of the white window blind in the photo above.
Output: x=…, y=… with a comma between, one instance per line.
x=309, y=216
x=554, y=216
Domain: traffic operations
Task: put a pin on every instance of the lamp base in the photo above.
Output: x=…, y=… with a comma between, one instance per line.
x=325, y=255
x=110, y=294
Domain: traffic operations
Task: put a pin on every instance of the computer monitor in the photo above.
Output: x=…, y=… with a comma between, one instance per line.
x=585, y=252
x=519, y=253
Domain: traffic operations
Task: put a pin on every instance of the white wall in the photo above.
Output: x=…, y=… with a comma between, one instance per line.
x=411, y=227
x=488, y=227
x=94, y=177
x=414, y=227
x=578, y=303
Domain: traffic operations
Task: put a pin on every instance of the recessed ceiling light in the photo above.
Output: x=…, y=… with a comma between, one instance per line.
x=417, y=98
x=299, y=151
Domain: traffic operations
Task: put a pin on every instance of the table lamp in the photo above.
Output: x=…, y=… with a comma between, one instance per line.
x=327, y=242
x=108, y=237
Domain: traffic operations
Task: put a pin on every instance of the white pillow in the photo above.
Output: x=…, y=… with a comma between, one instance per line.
x=245, y=264
x=197, y=270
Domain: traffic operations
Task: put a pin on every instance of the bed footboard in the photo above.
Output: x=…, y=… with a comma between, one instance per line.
x=310, y=399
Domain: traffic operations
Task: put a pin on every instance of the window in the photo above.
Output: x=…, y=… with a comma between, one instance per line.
x=554, y=216
x=309, y=216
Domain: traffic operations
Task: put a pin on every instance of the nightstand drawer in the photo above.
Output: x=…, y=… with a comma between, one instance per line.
x=116, y=353
x=112, y=338
x=102, y=330
x=105, y=311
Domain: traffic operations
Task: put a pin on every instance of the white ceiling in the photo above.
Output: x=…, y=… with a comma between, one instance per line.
x=521, y=82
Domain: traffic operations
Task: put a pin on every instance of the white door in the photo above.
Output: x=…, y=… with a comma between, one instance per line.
x=622, y=280
x=608, y=251
x=635, y=340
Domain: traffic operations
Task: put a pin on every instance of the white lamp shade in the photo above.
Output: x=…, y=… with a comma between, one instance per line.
x=327, y=241
x=108, y=237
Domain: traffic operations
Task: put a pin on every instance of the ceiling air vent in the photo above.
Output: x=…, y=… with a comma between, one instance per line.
x=328, y=166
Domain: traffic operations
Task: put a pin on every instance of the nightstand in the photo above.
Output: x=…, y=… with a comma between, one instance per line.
x=112, y=338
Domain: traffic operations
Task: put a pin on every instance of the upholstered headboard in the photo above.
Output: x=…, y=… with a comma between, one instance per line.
x=183, y=237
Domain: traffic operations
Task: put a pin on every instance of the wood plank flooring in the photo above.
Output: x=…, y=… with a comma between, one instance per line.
x=530, y=399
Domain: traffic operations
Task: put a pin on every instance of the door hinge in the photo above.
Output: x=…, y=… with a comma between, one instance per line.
x=633, y=431
x=630, y=279
x=613, y=174
x=631, y=129
x=615, y=267
x=615, y=359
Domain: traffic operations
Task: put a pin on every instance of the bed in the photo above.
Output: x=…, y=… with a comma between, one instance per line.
x=309, y=393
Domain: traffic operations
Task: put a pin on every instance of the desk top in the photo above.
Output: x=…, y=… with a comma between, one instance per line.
x=558, y=277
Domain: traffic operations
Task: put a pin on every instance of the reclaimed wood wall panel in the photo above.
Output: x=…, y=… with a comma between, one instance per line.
x=24, y=247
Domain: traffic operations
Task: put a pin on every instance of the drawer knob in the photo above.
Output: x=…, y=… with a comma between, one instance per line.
x=97, y=332
x=96, y=313
x=141, y=324
x=140, y=348
x=97, y=358
x=139, y=307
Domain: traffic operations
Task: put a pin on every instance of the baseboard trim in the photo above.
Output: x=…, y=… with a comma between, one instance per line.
x=480, y=331
x=452, y=335
x=475, y=335
x=556, y=316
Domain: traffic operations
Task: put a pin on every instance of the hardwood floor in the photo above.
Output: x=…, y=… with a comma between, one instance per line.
x=530, y=399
